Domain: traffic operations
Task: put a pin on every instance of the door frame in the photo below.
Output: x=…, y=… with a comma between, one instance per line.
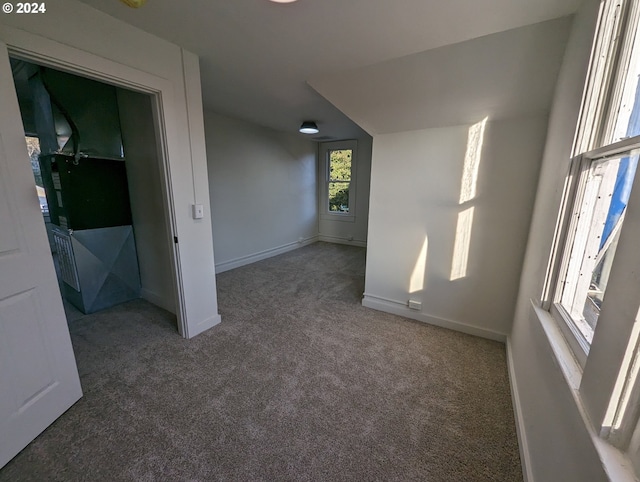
x=32, y=48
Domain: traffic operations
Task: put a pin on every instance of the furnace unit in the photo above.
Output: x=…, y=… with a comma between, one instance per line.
x=89, y=206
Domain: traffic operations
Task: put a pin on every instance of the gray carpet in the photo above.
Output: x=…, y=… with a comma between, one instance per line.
x=299, y=382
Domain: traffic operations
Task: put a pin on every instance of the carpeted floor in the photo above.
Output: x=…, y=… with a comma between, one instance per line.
x=299, y=382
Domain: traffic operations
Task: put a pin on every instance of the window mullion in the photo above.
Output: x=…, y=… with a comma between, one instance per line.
x=579, y=172
x=576, y=284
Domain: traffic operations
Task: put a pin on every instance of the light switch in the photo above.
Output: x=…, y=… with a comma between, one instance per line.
x=198, y=211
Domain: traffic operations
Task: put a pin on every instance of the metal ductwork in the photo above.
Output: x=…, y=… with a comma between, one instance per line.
x=85, y=180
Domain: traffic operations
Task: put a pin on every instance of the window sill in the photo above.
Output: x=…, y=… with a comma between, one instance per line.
x=616, y=463
x=573, y=338
x=348, y=218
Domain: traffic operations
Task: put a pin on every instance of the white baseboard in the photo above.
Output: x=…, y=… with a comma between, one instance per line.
x=161, y=301
x=339, y=240
x=204, y=325
x=399, y=308
x=525, y=456
x=267, y=253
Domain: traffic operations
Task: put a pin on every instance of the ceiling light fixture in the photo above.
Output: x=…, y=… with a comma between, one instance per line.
x=283, y=1
x=134, y=3
x=309, y=127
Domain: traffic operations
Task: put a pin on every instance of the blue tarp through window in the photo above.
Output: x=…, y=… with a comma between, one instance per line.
x=624, y=179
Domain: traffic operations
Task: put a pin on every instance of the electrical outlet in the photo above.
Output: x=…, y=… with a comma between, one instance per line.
x=415, y=305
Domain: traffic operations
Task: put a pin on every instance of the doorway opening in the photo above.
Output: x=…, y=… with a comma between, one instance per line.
x=97, y=163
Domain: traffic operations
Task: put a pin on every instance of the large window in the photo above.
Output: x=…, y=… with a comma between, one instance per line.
x=602, y=173
x=593, y=284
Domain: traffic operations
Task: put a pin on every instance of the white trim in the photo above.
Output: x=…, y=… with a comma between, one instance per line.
x=402, y=309
x=267, y=253
x=156, y=299
x=323, y=177
x=345, y=218
x=51, y=53
x=523, y=445
x=615, y=463
x=190, y=132
x=623, y=148
x=580, y=347
x=340, y=240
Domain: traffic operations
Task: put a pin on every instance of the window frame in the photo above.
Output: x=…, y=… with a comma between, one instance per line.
x=611, y=47
x=631, y=16
x=610, y=54
x=569, y=218
x=608, y=375
x=325, y=149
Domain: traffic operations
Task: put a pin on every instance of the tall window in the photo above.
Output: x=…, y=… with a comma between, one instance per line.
x=338, y=163
x=602, y=172
x=339, y=179
x=592, y=289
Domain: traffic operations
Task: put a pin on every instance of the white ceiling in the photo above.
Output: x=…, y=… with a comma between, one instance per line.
x=257, y=56
x=500, y=76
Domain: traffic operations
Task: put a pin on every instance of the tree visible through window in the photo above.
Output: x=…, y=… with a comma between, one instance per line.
x=339, y=180
x=33, y=149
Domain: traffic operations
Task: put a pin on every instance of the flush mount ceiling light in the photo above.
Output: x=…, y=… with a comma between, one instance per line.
x=283, y=1
x=309, y=127
x=134, y=3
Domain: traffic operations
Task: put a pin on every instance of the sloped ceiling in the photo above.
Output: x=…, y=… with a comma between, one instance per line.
x=508, y=74
x=257, y=56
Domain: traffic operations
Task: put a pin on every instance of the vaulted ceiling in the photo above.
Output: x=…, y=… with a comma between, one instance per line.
x=256, y=57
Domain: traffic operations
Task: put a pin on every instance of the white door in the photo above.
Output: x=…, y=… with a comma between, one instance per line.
x=38, y=375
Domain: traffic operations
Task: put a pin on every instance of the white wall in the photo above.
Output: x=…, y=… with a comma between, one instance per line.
x=553, y=435
x=419, y=109
x=108, y=49
x=262, y=189
x=416, y=187
x=354, y=231
x=150, y=223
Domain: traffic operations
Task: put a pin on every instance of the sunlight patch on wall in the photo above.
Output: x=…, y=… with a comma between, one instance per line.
x=462, y=244
x=472, y=161
x=419, y=270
